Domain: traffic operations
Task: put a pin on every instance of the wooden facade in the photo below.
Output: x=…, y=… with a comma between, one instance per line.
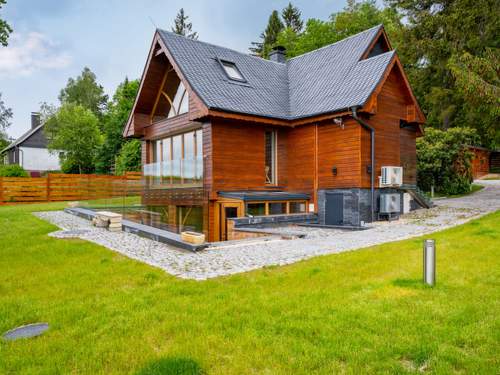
x=312, y=153
x=480, y=162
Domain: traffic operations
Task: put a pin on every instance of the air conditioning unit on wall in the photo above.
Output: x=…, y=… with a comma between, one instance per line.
x=391, y=176
x=390, y=203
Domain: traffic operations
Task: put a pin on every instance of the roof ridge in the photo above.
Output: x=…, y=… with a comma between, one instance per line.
x=218, y=46
x=22, y=137
x=338, y=41
x=392, y=51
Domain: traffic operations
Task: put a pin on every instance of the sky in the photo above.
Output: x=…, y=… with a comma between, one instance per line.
x=55, y=39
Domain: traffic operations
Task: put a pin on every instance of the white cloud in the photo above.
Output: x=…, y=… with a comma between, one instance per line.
x=28, y=53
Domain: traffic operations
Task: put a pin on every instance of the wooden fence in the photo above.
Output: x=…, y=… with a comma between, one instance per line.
x=68, y=187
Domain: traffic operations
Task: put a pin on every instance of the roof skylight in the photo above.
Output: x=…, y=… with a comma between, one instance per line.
x=232, y=71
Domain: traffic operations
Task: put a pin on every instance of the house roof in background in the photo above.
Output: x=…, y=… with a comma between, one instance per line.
x=22, y=138
x=329, y=79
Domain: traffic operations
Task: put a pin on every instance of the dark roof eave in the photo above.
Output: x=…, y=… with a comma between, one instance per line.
x=285, y=118
x=253, y=196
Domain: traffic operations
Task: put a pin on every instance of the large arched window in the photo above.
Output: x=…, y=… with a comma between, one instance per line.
x=172, y=98
x=180, y=102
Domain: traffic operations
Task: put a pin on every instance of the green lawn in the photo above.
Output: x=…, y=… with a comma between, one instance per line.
x=473, y=189
x=357, y=312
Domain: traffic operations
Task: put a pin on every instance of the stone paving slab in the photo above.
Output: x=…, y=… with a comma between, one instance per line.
x=221, y=259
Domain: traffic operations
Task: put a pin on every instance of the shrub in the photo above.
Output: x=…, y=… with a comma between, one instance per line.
x=444, y=160
x=13, y=170
x=129, y=158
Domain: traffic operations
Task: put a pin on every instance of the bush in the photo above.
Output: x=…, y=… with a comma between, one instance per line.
x=13, y=170
x=444, y=160
x=129, y=158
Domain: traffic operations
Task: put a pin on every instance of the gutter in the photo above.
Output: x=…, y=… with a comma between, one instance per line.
x=368, y=127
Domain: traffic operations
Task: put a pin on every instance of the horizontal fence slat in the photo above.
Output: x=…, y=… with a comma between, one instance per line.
x=67, y=187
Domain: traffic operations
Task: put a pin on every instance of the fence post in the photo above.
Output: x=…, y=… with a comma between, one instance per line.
x=1, y=189
x=48, y=187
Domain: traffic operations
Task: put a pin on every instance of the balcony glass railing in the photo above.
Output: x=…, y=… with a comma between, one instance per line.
x=177, y=172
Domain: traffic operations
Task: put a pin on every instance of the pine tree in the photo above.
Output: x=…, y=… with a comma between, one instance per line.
x=183, y=27
x=269, y=36
x=292, y=18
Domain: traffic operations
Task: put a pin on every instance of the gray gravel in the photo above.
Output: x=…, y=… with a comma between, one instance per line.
x=242, y=256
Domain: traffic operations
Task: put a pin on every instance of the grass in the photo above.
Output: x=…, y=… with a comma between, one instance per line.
x=491, y=178
x=473, y=188
x=358, y=312
x=125, y=201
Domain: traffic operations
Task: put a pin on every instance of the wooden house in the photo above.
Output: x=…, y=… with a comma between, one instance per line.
x=225, y=134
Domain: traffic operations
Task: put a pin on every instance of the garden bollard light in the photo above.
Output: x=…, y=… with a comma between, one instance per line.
x=429, y=262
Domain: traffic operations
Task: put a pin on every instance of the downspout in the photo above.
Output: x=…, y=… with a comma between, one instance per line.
x=367, y=126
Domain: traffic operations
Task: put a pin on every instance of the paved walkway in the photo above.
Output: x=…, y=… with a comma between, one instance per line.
x=248, y=255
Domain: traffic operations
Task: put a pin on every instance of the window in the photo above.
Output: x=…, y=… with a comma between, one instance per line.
x=180, y=102
x=172, y=99
x=232, y=71
x=176, y=160
x=277, y=208
x=297, y=207
x=256, y=209
x=270, y=161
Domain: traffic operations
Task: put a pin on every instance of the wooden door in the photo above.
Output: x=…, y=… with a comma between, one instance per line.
x=227, y=211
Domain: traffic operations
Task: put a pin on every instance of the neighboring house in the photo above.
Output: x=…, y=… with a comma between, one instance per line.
x=484, y=161
x=30, y=150
x=226, y=134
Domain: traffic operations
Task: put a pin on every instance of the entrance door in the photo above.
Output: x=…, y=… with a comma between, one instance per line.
x=227, y=211
x=334, y=209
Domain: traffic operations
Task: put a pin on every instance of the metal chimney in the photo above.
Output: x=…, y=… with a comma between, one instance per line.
x=278, y=54
x=35, y=120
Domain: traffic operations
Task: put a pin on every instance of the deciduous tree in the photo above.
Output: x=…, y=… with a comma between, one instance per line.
x=129, y=158
x=85, y=91
x=354, y=18
x=5, y=117
x=113, y=124
x=444, y=160
x=74, y=131
x=5, y=28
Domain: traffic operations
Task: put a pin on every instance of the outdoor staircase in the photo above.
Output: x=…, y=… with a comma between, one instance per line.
x=417, y=194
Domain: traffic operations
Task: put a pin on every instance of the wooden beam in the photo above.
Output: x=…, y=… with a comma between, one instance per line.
x=170, y=101
x=159, y=94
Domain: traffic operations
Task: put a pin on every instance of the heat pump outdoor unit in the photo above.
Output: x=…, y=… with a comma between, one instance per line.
x=391, y=176
x=390, y=203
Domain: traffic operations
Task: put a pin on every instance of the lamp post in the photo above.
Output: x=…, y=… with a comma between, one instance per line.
x=429, y=262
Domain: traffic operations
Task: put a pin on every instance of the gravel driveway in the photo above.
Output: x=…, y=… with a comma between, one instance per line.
x=257, y=253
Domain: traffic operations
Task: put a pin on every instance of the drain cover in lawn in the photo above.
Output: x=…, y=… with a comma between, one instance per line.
x=25, y=332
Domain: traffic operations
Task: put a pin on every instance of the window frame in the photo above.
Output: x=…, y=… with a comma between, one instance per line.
x=267, y=203
x=274, y=155
x=155, y=149
x=223, y=64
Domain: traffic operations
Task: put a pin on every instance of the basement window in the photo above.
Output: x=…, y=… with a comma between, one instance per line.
x=232, y=71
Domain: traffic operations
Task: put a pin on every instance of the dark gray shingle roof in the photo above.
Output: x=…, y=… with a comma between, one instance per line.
x=328, y=79
x=22, y=138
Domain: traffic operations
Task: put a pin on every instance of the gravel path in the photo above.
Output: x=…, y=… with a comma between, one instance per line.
x=257, y=253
